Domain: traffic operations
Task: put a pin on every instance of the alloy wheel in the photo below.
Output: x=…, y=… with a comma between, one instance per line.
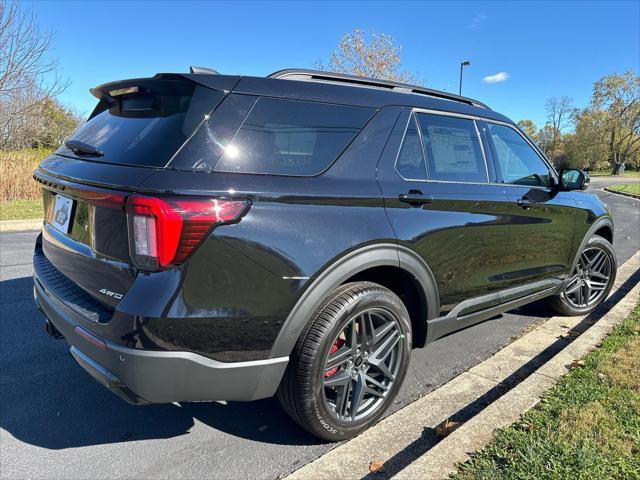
x=589, y=279
x=362, y=365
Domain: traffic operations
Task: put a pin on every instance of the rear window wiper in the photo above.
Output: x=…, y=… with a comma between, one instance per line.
x=81, y=148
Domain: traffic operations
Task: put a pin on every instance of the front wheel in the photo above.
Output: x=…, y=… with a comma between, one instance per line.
x=590, y=280
x=347, y=369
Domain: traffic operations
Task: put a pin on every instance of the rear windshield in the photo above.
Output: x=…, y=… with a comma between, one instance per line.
x=291, y=137
x=146, y=126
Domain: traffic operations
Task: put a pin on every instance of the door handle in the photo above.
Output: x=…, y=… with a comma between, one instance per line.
x=415, y=198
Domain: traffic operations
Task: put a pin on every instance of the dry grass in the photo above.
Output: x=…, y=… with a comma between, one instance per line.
x=623, y=368
x=595, y=424
x=16, y=174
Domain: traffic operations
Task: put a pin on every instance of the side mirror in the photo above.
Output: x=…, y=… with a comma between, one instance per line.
x=574, y=179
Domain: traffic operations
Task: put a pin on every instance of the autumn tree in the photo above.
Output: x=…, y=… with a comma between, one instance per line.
x=28, y=76
x=618, y=96
x=607, y=132
x=370, y=55
x=586, y=148
x=528, y=127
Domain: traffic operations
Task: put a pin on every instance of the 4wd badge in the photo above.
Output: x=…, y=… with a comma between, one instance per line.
x=109, y=293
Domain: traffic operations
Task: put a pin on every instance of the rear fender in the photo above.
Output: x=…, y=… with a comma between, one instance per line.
x=299, y=319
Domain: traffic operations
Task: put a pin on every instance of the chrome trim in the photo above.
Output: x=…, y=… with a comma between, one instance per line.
x=424, y=153
x=484, y=155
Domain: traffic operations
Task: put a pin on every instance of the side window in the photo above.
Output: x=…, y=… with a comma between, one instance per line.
x=292, y=137
x=410, y=163
x=453, y=149
x=517, y=161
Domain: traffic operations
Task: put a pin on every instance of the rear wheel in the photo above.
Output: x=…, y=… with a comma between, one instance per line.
x=348, y=367
x=590, y=280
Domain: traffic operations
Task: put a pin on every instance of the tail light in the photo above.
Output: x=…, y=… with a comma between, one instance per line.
x=165, y=231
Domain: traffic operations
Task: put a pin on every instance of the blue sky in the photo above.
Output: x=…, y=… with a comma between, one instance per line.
x=545, y=48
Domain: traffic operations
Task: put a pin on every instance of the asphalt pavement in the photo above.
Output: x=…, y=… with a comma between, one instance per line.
x=57, y=422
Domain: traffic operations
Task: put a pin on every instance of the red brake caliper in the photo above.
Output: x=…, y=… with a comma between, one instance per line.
x=334, y=348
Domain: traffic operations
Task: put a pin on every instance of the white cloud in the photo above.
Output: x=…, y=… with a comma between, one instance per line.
x=498, y=77
x=478, y=20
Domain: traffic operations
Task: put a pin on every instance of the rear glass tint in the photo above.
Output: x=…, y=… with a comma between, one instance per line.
x=291, y=137
x=205, y=147
x=147, y=127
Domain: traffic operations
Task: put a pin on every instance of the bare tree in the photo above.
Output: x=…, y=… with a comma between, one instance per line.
x=560, y=115
x=368, y=55
x=28, y=76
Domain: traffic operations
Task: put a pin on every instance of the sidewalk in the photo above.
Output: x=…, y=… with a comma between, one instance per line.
x=20, y=225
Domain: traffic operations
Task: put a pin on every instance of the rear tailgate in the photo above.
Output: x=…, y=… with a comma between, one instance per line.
x=84, y=237
x=134, y=131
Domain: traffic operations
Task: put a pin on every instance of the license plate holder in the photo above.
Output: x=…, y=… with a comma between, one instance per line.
x=62, y=211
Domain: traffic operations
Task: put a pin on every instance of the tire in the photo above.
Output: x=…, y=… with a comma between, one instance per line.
x=313, y=393
x=564, y=302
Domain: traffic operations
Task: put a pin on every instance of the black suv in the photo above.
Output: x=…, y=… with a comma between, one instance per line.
x=216, y=237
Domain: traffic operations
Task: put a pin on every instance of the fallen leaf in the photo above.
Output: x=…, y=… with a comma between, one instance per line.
x=565, y=326
x=446, y=427
x=377, y=466
x=577, y=363
x=263, y=428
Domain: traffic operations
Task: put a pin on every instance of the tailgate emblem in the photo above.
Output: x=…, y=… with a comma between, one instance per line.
x=109, y=293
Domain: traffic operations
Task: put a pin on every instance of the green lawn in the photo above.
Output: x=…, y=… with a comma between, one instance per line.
x=588, y=426
x=607, y=173
x=633, y=188
x=20, y=209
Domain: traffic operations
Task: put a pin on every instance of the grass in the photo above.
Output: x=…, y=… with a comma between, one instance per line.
x=633, y=188
x=21, y=209
x=588, y=426
x=607, y=173
x=20, y=195
x=16, y=174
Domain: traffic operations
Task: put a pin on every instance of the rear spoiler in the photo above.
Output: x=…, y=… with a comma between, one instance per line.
x=104, y=92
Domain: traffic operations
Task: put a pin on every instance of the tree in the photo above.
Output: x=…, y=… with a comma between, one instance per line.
x=559, y=114
x=368, y=55
x=607, y=132
x=586, y=148
x=58, y=123
x=619, y=97
x=28, y=77
x=528, y=127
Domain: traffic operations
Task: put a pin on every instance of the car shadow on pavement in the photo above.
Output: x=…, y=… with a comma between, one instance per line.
x=49, y=401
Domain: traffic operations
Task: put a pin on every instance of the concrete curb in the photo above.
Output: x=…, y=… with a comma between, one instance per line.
x=20, y=225
x=623, y=194
x=482, y=399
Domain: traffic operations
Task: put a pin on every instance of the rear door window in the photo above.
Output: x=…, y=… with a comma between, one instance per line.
x=452, y=148
x=291, y=137
x=145, y=127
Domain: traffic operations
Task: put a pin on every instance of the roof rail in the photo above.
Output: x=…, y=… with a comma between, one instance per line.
x=205, y=70
x=321, y=76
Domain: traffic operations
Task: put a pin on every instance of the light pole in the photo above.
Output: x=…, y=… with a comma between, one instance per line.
x=466, y=63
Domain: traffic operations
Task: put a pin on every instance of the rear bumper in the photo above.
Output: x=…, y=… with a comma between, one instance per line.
x=145, y=376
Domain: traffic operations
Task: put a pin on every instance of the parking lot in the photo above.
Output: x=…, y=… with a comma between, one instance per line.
x=57, y=422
